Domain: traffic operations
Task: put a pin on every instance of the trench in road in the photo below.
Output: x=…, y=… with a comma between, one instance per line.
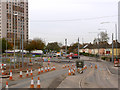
x=43, y=78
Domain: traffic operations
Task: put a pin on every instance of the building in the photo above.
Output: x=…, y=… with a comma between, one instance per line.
x=14, y=17
x=119, y=21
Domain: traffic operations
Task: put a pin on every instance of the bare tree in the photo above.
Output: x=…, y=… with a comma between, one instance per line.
x=104, y=37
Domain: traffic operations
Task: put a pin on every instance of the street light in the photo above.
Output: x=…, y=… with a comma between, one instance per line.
x=14, y=38
x=115, y=31
x=78, y=48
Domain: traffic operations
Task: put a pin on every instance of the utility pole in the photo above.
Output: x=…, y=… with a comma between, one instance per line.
x=66, y=46
x=14, y=38
x=98, y=45
x=116, y=39
x=112, y=48
x=22, y=45
x=78, y=48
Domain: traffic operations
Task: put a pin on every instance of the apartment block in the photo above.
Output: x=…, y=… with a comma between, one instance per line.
x=14, y=20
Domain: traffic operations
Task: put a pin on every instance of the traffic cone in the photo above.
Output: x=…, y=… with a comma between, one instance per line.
x=54, y=67
x=39, y=70
x=96, y=66
x=38, y=83
x=78, y=69
x=74, y=69
x=72, y=65
x=27, y=73
x=73, y=72
x=20, y=73
x=2, y=72
x=69, y=72
x=32, y=83
x=10, y=78
x=6, y=84
x=31, y=73
x=46, y=69
x=30, y=60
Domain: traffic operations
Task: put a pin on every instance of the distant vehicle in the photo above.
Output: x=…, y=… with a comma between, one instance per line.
x=80, y=65
x=73, y=56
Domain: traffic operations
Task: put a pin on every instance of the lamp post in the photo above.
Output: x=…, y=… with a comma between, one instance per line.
x=115, y=32
x=14, y=38
x=66, y=46
x=78, y=48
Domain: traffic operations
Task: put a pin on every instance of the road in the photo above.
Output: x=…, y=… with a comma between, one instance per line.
x=104, y=77
x=92, y=78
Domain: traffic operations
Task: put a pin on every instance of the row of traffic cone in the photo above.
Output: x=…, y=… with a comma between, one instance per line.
x=31, y=85
x=65, y=66
x=31, y=73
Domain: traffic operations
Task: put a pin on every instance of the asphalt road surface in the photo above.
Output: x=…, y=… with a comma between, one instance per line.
x=102, y=77
x=92, y=78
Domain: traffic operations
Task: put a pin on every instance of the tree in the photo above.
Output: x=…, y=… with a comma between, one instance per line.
x=9, y=45
x=104, y=37
x=73, y=47
x=53, y=46
x=36, y=44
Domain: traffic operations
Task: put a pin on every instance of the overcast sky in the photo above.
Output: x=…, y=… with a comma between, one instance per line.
x=55, y=20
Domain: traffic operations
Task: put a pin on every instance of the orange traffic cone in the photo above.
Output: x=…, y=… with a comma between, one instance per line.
x=38, y=83
x=96, y=66
x=69, y=72
x=30, y=60
x=39, y=70
x=20, y=73
x=74, y=69
x=54, y=67
x=10, y=78
x=6, y=84
x=27, y=73
x=78, y=69
x=2, y=72
x=32, y=83
x=31, y=73
x=46, y=69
